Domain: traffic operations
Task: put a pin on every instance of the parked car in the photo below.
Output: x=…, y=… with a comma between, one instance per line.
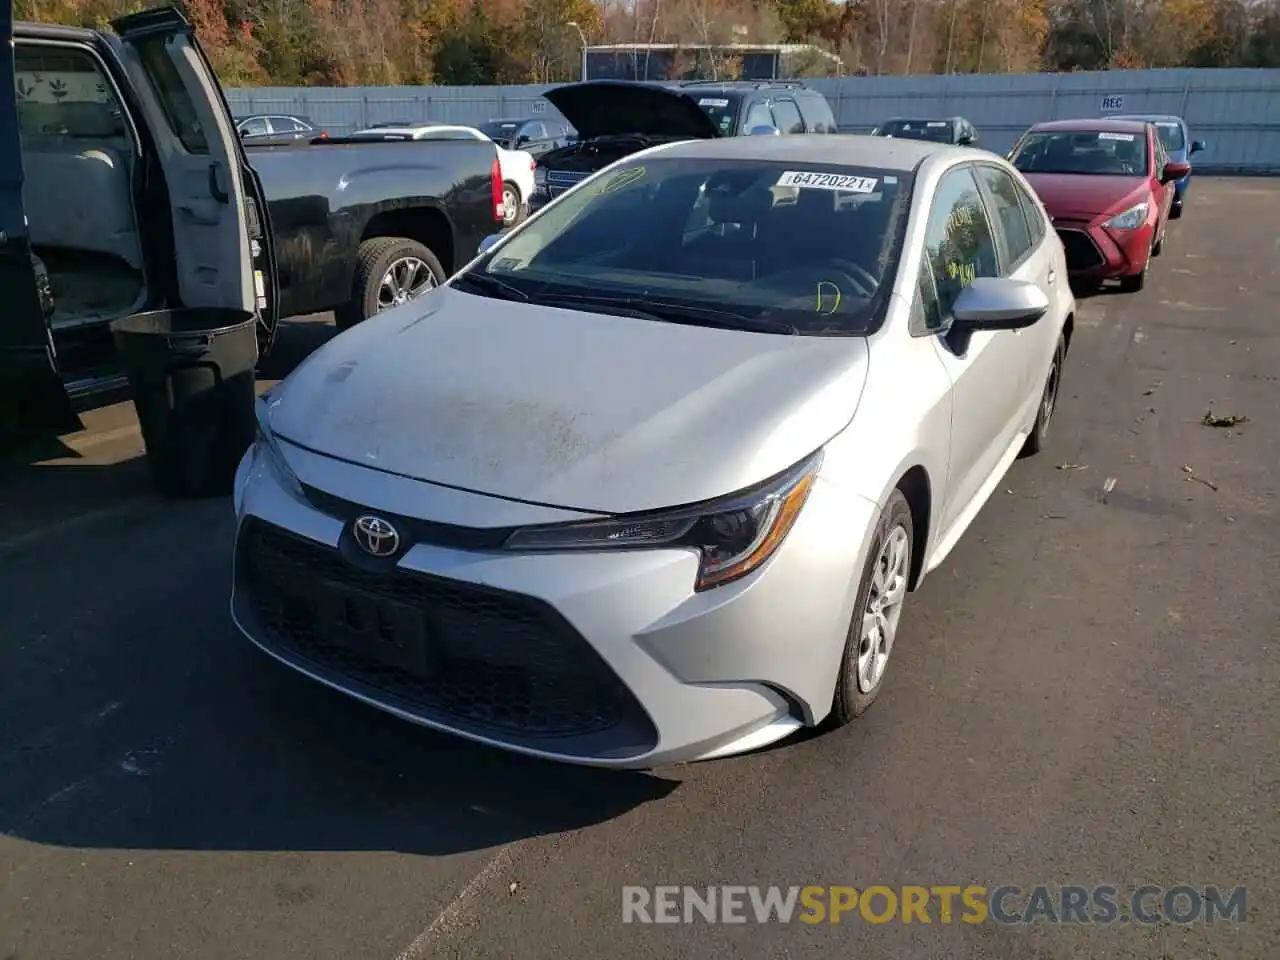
x=263, y=128
x=137, y=202
x=956, y=130
x=615, y=118
x=1179, y=147
x=654, y=478
x=517, y=165
x=536, y=136
x=1108, y=185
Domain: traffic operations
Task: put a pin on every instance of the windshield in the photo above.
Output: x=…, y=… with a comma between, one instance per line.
x=1089, y=152
x=810, y=246
x=500, y=129
x=1170, y=134
x=937, y=131
x=722, y=110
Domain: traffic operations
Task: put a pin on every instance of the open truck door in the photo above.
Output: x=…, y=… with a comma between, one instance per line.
x=32, y=394
x=221, y=228
x=214, y=251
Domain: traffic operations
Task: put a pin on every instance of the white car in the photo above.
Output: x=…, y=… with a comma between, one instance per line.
x=651, y=478
x=517, y=165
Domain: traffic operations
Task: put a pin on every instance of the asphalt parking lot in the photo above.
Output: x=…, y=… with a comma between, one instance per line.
x=1086, y=692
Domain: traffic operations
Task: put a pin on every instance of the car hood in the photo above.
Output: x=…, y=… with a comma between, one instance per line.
x=565, y=408
x=604, y=108
x=1086, y=195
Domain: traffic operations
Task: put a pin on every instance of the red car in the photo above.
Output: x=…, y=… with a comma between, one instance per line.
x=1108, y=187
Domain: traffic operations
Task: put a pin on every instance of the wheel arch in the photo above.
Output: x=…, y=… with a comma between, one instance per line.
x=916, y=487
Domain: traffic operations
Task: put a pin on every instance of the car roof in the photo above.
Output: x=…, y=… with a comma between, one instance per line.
x=1101, y=125
x=851, y=149
x=1151, y=118
x=925, y=120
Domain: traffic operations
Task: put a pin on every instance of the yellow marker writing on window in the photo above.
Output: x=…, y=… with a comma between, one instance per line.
x=831, y=290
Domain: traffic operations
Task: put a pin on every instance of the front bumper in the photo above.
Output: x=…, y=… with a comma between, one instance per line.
x=1096, y=253
x=607, y=659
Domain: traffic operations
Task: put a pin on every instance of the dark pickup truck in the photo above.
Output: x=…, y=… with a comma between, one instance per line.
x=124, y=187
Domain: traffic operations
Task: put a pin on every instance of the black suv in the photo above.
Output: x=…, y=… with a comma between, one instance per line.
x=955, y=130
x=533, y=136
x=616, y=118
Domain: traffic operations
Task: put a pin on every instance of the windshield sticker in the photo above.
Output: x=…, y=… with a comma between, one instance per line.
x=937, y=123
x=832, y=291
x=1124, y=137
x=621, y=180
x=827, y=181
x=712, y=102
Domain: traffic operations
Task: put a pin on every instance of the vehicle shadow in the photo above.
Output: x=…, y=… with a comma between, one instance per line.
x=296, y=340
x=136, y=715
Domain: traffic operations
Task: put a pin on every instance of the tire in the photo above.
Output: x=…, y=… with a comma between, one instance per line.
x=1176, y=212
x=374, y=260
x=519, y=209
x=1159, y=247
x=1135, y=283
x=1039, y=435
x=893, y=536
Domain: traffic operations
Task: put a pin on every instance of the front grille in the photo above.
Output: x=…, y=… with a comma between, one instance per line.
x=1082, y=253
x=473, y=658
x=558, y=181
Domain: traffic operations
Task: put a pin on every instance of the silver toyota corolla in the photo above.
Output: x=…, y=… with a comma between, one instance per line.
x=650, y=479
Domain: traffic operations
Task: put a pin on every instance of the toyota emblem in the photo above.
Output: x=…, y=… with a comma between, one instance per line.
x=375, y=536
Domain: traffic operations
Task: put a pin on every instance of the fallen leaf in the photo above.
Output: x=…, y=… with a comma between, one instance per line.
x=1186, y=469
x=513, y=888
x=1073, y=466
x=1211, y=486
x=1210, y=419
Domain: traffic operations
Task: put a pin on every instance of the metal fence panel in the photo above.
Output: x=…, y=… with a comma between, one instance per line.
x=1236, y=111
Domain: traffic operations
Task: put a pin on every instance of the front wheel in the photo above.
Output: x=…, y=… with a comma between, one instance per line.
x=876, y=614
x=1039, y=434
x=389, y=271
x=513, y=208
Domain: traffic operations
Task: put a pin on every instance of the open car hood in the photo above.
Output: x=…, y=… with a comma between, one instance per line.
x=604, y=108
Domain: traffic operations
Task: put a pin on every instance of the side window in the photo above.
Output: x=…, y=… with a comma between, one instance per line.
x=1031, y=210
x=758, y=115
x=534, y=131
x=817, y=114
x=926, y=317
x=958, y=241
x=257, y=127
x=179, y=110
x=61, y=92
x=1006, y=210
x=786, y=117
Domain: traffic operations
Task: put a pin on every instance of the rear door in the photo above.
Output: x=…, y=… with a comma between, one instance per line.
x=222, y=235
x=31, y=391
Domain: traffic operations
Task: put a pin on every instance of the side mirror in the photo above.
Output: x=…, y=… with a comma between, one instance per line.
x=487, y=243
x=1198, y=145
x=764, y=130
x=244, y=132
x=1173, y=170
x=964, y=140
x=997, y=303
x=521, y=140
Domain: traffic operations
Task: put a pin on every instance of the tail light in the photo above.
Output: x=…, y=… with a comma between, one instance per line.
x=495, y=182
x=324, y=135
x=533, y=164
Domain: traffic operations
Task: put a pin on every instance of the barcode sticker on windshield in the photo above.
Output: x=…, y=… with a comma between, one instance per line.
x=1106, y=135
x=827, y=181
x=712, y=102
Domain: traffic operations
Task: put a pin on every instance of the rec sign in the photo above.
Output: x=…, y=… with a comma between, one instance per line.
x=1112, y=104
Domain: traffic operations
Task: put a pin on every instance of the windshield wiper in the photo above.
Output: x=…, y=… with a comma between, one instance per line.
x=491, y=285
x=674, y=312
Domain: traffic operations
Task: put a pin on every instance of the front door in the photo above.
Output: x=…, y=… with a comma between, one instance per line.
x=32, y=395
x=987, y=368
x=222, y=235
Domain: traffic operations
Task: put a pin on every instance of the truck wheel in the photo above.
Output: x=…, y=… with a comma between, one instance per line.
x=389, y=271
x=513, y=208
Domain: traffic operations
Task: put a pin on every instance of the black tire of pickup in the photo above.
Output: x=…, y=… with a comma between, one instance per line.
x=373, y=260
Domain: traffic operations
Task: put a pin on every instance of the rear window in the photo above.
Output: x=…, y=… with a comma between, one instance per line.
x=812, y=245
x=63, y=93
x=935, y=131
x=721, y=108
x=1095, y=152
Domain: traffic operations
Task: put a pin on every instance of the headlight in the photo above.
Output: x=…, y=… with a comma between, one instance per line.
x=269, y=447
x=1131, y=219
x=733, y=536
